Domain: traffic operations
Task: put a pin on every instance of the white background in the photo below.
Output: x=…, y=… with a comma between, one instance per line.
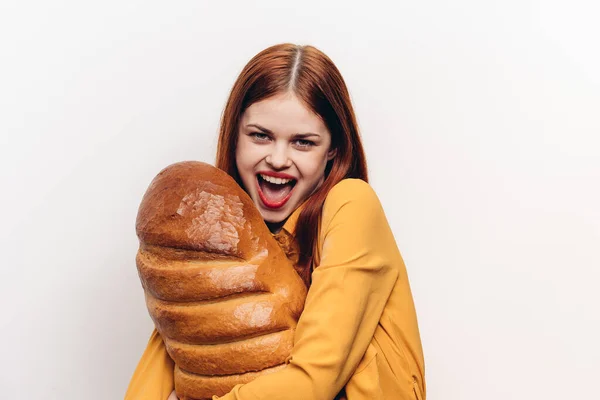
x=481, y=125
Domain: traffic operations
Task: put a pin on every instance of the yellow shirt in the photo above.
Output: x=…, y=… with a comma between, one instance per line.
x=358, y=328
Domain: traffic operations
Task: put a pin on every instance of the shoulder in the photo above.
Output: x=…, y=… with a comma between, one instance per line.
x=354, y=228
x=352, y=200
x=352, y=191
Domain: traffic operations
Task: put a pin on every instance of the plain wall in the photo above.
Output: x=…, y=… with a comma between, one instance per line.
x=481, y=125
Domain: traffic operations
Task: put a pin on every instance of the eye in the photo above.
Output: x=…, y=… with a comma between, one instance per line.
x=304, y=144
x=259, y=136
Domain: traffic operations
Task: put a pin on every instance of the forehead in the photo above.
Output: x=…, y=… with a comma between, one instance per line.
x=285, y=114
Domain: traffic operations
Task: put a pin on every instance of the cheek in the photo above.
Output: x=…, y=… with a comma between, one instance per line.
x=313, y=168
x=245, y=156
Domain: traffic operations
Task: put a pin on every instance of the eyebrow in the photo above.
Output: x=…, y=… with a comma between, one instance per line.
x=265, y=130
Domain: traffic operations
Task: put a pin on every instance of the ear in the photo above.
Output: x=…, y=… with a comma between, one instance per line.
x=331, y=154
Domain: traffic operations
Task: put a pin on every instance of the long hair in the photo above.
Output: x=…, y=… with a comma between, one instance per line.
x=316, y=81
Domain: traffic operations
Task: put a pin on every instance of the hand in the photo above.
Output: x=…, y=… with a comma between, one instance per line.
x=173, y=396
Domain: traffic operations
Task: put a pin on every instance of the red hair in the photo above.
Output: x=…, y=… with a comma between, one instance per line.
x=315, y=80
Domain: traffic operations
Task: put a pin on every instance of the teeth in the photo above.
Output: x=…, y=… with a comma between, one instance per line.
x=277, y=181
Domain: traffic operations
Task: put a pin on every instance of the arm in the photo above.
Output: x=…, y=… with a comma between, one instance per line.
x=344, y=304
x=153, y=377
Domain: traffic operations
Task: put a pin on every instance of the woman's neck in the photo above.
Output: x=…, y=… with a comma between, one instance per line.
x=275, y=227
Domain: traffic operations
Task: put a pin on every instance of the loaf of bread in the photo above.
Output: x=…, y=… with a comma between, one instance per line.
x=219, y=288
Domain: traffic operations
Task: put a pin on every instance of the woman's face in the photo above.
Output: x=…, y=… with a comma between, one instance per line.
x=282, y=150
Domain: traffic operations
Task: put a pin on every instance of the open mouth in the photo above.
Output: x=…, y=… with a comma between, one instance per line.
x=274, y=192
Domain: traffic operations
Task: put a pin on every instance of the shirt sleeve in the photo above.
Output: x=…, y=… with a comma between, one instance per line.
x=153, y=377
x=349, y=290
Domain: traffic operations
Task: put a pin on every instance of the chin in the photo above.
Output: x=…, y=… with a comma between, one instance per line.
x=275, y=217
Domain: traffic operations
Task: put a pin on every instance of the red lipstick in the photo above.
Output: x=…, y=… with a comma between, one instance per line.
x=276, y=174
x=270, y=204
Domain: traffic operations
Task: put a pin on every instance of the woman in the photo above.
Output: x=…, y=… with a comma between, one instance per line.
x=289, y=137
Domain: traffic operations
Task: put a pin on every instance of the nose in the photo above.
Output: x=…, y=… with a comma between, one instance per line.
x=278, y=157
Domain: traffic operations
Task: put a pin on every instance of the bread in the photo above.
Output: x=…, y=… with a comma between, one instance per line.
x=219, y=288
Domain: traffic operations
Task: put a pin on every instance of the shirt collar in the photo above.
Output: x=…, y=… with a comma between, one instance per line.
x=285, y=237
